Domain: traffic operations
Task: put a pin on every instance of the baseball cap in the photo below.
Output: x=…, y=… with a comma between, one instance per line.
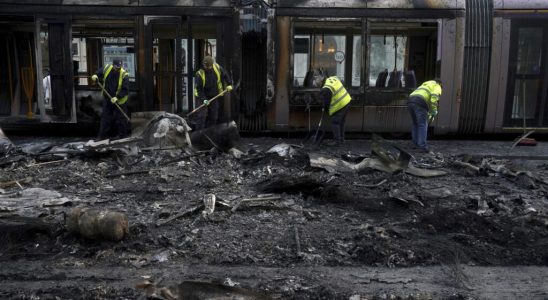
x=117, y=63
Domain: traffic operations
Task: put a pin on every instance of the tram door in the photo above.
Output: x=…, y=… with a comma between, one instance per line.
x=176, y=46
x=55, y=67
x=526, y=102
x=165, y=63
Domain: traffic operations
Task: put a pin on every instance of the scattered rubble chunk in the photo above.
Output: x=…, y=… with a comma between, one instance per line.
x=31, y=202
x=283, y=150
x=5, y=144
x=98, y=224
x=200, y=290
x=222, y=136
x=209, y=204
x=341, y=166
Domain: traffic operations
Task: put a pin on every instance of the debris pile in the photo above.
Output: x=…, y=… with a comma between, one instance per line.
x=166, y=197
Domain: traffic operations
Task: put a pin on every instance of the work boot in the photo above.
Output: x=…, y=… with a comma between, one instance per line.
x=333, y=143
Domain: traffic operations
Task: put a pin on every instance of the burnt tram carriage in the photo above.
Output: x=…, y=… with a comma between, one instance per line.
x=50, y=49
x=491, y=56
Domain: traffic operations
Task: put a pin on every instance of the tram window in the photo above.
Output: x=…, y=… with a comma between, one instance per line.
x=387, y=59
x=316, y=55
x=356, y=61
x=300, y=59
x=97, y=42
x=124, y=53
x=401, y=54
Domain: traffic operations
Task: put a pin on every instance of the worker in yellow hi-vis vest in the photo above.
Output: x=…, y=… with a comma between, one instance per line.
x=336, y=100
x=423, y=107
x=116, y=83
x=210, y=81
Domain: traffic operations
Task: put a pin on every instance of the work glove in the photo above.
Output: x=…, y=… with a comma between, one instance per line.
x=229, y=88
x=206, y=102
x=114, y=100
x=433, y=115
x=94, y=77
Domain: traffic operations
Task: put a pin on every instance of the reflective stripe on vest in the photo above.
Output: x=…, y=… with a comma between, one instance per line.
x=201, y=73
x=340, y=97
x=123, y=74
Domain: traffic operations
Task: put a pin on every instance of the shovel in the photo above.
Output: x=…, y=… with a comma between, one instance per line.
x=212, y=99
x=317, y=137
x=110, y=97
x=209, y=101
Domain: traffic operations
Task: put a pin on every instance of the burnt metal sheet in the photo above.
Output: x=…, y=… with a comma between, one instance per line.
x=452, y=50
x=520, y=4
x=406, y=4
x=477, y=51
x=282, y=73
x=370, y=12
x=108, y=10
x=421, y=4
x=189, y=3
x=101, y=2
x=207, y=3
x=497, y=91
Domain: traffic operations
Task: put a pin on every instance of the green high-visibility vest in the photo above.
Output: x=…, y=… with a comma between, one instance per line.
x=123, y=74
x=340, y=97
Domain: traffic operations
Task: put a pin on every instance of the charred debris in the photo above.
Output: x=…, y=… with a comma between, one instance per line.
x=167, y=194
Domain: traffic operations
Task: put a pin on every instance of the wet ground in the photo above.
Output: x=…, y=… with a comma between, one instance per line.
x=473, y=233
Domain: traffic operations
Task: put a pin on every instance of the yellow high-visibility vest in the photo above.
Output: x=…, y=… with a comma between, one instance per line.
x=123, y=74
x=340, y=97
x=201, y=73
x=430, y=91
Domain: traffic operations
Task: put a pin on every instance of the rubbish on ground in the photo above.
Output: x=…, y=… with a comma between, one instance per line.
x=199, y=290
x=209, y=204
x=31, y=202
x=283, y=150
x=341, y=166
x=241, y=202
x=297, y=241
x=222, y=136
x=5, y=144
x=18, y=182
x=98, y=224
x=188, y=212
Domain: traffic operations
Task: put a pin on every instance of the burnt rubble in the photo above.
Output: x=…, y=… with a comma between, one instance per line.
x=270, y=206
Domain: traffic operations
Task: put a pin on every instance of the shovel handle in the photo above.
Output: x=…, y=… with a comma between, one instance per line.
x=209, y=101
x=116, y=104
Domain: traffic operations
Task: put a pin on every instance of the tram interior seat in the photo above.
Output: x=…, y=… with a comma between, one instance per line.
x=394, y=81
x=309, y=79
x=410, y=79
x=381, y=78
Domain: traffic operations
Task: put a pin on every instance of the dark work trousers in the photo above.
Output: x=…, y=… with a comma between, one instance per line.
x=419, y=131
x=112, y=119
x=337, y=123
